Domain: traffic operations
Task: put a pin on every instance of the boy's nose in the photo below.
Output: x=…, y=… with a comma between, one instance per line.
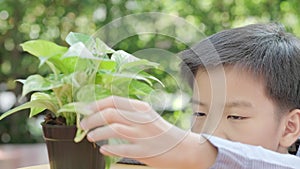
x=221, y=130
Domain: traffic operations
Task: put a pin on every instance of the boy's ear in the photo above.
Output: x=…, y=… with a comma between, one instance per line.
x=292, y=128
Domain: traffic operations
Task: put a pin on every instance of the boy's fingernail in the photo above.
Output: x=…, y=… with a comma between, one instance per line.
x=90, y=137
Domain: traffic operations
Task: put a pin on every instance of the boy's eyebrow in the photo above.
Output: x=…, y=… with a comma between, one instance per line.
x=198, y=102
x=238, y=103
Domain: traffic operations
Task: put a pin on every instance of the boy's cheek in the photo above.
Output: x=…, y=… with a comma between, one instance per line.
x=197, y=124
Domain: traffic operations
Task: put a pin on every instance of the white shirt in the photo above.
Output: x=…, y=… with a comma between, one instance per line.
x=235, y=155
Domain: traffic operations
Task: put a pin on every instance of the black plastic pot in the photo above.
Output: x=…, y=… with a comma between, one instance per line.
x=64, y=153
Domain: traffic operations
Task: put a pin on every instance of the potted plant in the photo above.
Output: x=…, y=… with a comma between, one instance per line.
x=85, y=71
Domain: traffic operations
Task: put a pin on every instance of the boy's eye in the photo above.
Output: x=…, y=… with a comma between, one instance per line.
x=199, y=114
x=233, y=117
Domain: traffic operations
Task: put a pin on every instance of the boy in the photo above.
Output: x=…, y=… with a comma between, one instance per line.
x=246, y=89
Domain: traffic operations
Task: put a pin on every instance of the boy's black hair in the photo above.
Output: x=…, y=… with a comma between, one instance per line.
x=266, y=50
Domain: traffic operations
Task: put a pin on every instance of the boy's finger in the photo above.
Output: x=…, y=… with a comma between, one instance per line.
x=119, y=103
x=123, y=150
x=104, y=117
x=115, y=130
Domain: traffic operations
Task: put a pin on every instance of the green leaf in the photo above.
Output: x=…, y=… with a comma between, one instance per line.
x=139, y=89
x=85, y=46
x=106, y=64
x=89, y=93
x=70, y=108
x=138, y=65
x=118, y=84
x=63, y=94
x=76, y=79
x=148, y=76
x=75, y=107
x=121, y=57
x=81, y=45
x=102, y=47
x=43, y=49
x=80, y=50
x=64, y=65
x=54, y=69
x=38, y=83
x=86, y=93
x=131, y=76
x=73, y=38
x=40, y=96
x=89, y=66
x=46, y=51
x=35, y=103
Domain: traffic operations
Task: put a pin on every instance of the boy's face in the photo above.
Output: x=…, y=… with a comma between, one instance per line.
x=248, y=116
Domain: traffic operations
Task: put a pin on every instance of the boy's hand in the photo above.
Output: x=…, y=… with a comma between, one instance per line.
x=152, y=140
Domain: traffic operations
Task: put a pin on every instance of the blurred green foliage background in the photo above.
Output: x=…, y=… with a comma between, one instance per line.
x=22, y=20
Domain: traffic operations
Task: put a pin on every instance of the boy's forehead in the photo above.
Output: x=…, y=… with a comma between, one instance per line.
x=235, y=86
x=223, y=72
